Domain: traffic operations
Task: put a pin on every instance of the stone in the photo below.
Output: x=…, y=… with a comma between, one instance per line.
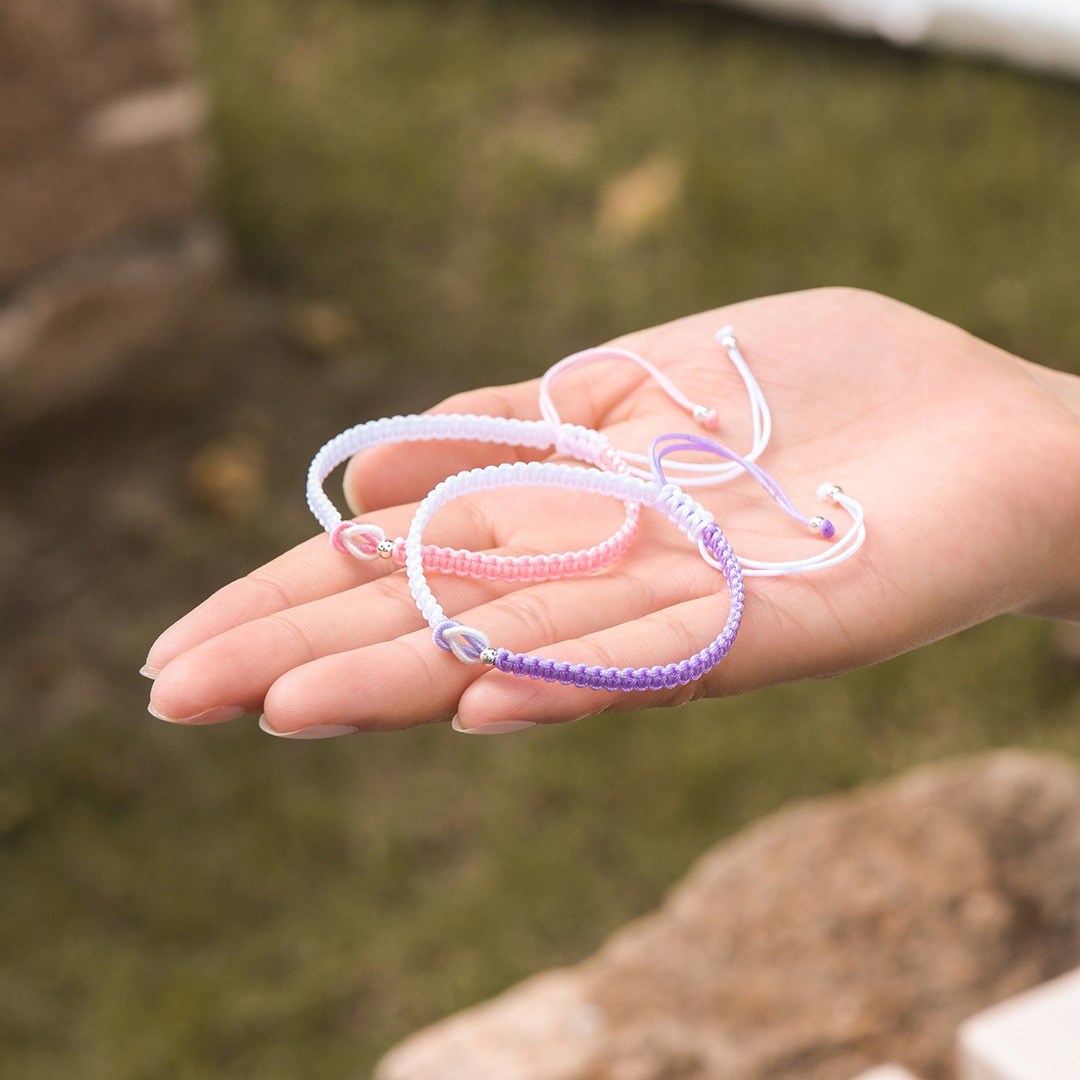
x=66, y=332
x=821, y=942
x=71, y=69
x=106, y=239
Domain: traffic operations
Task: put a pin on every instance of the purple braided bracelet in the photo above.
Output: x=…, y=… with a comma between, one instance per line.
x=471, y=645
x=650, y=678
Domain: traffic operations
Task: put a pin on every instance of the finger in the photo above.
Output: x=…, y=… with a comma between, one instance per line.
x=661, y=637
x=405, y=472
x=398, y=683
x=236, y=668
x=392, y=474
x=310, y=571
x=237, y=665
x=783, y=636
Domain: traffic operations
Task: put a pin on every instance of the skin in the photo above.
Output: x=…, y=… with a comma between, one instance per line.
x=964, y=457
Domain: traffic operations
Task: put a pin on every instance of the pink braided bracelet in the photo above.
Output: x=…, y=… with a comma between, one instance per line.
x=471, y=645
x=366, y=540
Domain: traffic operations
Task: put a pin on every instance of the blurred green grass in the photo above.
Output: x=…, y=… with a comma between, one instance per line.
x=213, y=903
x=437, y=167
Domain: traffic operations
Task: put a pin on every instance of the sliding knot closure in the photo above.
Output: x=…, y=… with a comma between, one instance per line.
x=359, y=540
x=690, y=516
x=467, y=644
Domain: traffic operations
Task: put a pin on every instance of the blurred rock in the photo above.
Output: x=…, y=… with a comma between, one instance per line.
x=152, y=116
x=68, y=330
x=105, y=238
x=825, y=940
x=633, y=201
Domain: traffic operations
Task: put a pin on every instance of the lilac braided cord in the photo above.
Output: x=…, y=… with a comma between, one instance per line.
x=668, y=444
x=651, y=678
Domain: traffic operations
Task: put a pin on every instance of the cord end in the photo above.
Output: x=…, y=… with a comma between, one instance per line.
x=726, y=336
x=706, y=417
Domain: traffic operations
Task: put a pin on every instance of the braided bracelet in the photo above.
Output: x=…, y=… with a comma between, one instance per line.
x=702, y=474
x=366, y=540
x=843, y=549
x=471, y=645
x=619, y=479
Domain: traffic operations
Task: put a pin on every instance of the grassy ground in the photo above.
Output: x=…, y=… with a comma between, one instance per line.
x=437, y=195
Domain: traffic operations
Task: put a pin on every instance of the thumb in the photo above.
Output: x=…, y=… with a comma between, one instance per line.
x=390, y=475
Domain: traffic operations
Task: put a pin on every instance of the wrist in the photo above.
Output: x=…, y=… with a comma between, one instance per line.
x=1058, y=596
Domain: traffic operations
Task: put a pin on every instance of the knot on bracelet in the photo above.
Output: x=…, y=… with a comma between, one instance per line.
x=610, y=460
x=714, y=543
x=359, y=540
x=690, y=516
x=463, y=641
x=579, y=442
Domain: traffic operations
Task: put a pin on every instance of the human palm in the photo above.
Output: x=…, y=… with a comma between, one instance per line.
x=963, y=457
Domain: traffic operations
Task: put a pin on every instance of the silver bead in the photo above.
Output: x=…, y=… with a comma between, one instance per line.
x=816, y=523
x=729, y=341
x=385, y=548
x=832, y=491
x=701, y=413
x=487, y=656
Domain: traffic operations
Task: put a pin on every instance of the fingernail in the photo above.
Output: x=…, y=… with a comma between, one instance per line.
x=316, y=731
x=149, y=672
x=496, y=727
x=209, y=716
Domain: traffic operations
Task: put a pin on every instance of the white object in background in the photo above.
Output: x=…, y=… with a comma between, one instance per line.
x=1036, y=33
x=886, y=1072
x=1034, y=1036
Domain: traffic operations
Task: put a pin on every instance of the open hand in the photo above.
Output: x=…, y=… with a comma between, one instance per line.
x=966, y=459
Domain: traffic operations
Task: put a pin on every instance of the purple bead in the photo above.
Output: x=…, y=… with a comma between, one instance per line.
x=828, y=530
